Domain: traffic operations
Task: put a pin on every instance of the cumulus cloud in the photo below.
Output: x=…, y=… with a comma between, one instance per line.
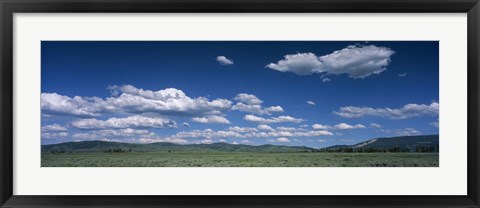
x=246, y=141
x=54, y=135
x=206, y=141
x=249, y=132
x=340, y=126
x=169, y=101
x=132, y=100
x=320, y=126
x=211, y=119
x=224, y=60
x=326, y=80
x=407, y=111
x=170, y=140
x=252, y=104
x=128, y=135
x=280, y=139
x=114, y=133
x=257, y=109
x=207, y=133
x=375, y=125
x=280, y=119
x=355, y=61
x=274, y=109
x=242, y=129
x=344, y=126
x=53, y=128
x=53, y=103
x=402, y=132
x=264, y=127
x=135, y=121
x=186, y=124
x=248, y=99
x=311, y=102
x=282, y=128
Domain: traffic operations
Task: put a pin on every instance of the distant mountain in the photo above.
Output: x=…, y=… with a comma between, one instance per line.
x=403, y=143
x=101, y=146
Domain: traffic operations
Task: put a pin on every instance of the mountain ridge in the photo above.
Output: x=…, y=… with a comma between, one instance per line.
x=403, y=143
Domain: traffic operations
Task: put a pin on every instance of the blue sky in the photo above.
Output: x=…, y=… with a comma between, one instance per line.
x=312, y=93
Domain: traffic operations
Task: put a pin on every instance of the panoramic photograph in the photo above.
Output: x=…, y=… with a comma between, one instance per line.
x=239, y=104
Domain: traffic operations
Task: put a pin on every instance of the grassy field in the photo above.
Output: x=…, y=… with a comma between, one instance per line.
x=239, y=159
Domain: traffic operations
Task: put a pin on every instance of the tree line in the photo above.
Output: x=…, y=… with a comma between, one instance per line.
x=117, y=150
x=392, y=149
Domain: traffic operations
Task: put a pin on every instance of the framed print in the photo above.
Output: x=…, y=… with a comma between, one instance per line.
x=239, y=104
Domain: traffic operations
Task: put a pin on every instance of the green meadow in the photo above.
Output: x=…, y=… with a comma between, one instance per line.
x=238, y=159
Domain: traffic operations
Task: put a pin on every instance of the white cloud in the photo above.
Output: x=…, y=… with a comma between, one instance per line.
x=320, y=126
x=300, y=64
x=311, y=102
x=252, y=104
x=402, y=75
x=53, y=127
x=131, y=100
x=211, y=119
x=246, y=141
x=206, y=141
x=248, y=99
x=224, y=60
x=343, y=126
x=402, y=132
x=281, y=128
x=276, y=109
x=242, y=129
x=407, y=111
x=312, y=133
x=340, y=126
x=434, y=124
x=375, y=125
x=249, y=132
x=186, y=124
x=207, y=133
x=408, y=132
x=265, y=127
x=135, y=121
x=253, y=118
x=280, y=119
x=168, y=101
x=54, y=135
x=53, y=103
x=234, y=142
x=281, y=139
x=356, y=61
x=170, y=140
x=257, y=109
x=322, y=140
x=126, y=135
x=114, y=133
x=326, y=80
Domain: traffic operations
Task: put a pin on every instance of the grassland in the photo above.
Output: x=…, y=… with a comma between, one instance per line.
x=238, y=159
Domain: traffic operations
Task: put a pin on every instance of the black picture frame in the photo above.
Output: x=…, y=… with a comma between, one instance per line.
x=9, y=7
